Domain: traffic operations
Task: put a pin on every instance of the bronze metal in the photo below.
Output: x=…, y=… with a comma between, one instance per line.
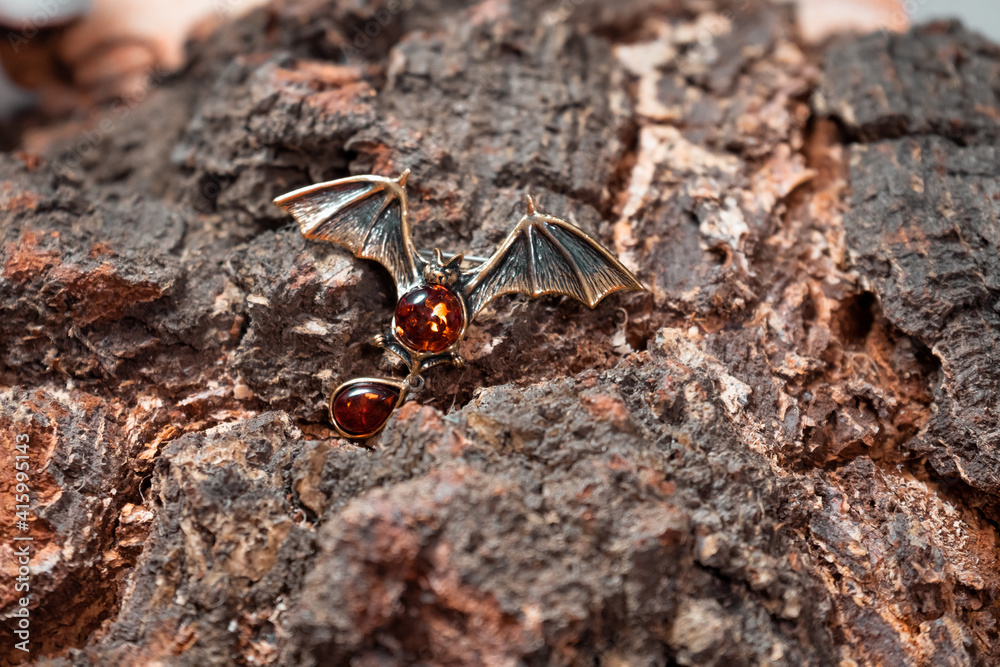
x=543, y=254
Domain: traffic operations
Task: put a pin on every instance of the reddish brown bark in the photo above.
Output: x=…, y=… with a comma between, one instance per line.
x=787, y=455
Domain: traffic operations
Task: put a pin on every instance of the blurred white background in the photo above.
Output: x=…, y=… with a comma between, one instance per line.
x=980, y=15
x=24, y=10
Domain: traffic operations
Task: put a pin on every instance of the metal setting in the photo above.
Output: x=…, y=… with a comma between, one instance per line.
x=418, y=362
x=402, y=385
x=428, y=253
x=542, y=255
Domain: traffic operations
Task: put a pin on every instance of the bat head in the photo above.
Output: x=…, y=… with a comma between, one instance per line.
x=439, y=272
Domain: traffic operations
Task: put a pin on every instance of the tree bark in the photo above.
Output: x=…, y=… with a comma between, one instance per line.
x=785, y=452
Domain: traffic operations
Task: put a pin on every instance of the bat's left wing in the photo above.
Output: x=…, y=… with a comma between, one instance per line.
x=365, y=214
x=546, y=255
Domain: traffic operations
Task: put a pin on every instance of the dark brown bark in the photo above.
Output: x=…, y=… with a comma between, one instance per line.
x=788, y=455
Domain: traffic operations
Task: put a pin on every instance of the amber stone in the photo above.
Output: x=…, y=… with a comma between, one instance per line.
x=429, y=319
x=363, y=407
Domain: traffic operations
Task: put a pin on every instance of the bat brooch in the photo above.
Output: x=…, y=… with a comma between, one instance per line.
x=437, y=297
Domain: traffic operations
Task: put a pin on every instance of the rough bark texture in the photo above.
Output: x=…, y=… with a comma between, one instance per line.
x=788, y=455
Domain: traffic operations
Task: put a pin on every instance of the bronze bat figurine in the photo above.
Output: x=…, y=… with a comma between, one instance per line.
x=437, y=299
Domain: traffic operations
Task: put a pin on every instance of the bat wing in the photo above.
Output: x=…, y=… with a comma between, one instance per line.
x=365, y=214
x=546, y=255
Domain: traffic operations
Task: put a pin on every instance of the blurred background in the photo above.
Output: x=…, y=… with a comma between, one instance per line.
x=60, y=56
x=980, y=15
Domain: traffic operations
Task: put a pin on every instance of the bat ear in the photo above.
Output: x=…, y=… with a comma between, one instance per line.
x=455, y=261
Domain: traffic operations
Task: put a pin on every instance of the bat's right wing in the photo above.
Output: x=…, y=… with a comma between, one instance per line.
x=546, y=255
x=365, y=214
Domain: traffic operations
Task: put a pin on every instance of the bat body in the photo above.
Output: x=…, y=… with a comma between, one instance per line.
x=437, y=299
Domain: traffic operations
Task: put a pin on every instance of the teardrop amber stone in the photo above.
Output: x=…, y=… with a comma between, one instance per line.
x=429, y=319
x=362, y=408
